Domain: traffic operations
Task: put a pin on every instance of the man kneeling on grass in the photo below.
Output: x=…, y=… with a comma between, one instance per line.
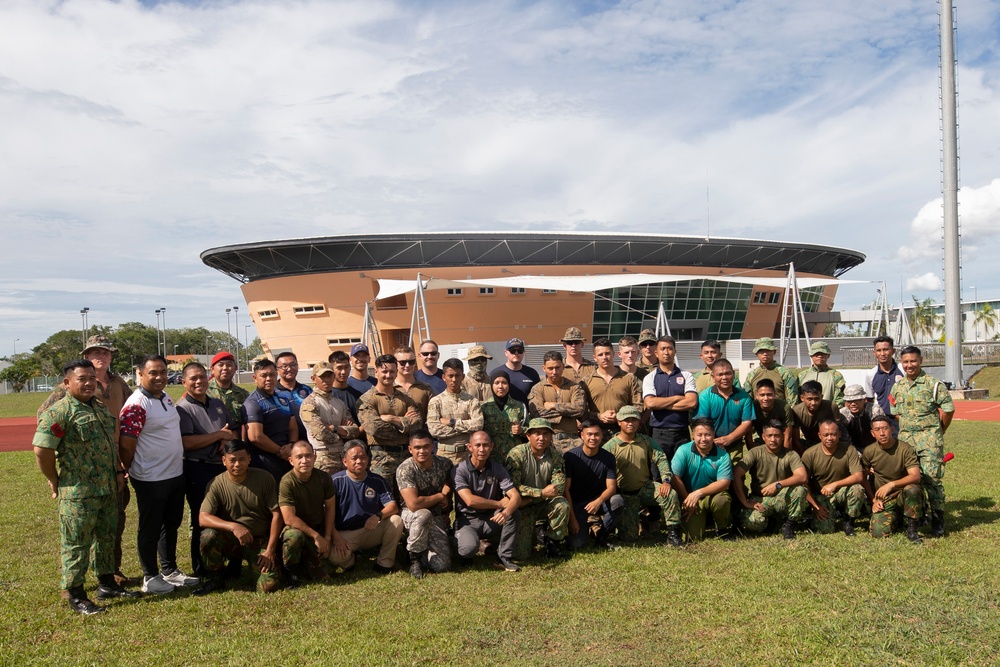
x=240, y=520
x=834, y=470
x=897, y=482
x=306, y=499
x=424, y=482
x=703, y=473
x=777, y=484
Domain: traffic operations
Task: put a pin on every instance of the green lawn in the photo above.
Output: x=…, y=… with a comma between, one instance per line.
x=818, y=600
x=988, y=377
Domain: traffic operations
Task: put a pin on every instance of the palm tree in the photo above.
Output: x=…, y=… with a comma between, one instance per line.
x=988, y=316
x=924, y=320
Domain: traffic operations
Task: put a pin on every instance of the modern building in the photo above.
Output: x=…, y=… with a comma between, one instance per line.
x=310, y=295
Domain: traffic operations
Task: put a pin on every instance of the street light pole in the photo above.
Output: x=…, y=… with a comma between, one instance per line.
x=975, y=311
x=236, y=329
x=15, y=346
x=164, y=311
x=229, y=330
x=157, y=331
x=246, y=343
x=208, y=350
x=83, y=325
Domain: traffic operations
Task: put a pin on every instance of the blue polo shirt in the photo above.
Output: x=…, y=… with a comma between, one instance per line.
x=726, y=413
x=663, y=385
x=697, y=471
x=880, y=384
x=356, y=501
x=271, y=411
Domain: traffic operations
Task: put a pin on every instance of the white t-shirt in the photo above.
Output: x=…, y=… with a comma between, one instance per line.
x=154, y=422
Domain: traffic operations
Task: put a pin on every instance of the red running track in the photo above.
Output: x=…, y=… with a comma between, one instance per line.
x=16, y=432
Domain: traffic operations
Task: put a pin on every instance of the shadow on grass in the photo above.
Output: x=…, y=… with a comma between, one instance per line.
x=963, y=514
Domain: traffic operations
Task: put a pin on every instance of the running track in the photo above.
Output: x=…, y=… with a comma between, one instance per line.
x=16, y=432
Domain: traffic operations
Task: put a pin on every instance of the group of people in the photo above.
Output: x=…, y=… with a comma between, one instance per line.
x=296, y=480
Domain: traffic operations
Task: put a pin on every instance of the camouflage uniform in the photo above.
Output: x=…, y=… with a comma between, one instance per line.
x=233, y=398
x=497, y=421
x=909, y=503
x=388, y=442
x=789, y=502
x=830, y=379
x=916, y=403
x=318, y=412
x=892, y=464
x=82, y=434
x=218, y=546
x=570, y=404
x=656, y=471
x=298, y=552
x=534, y=508
x=427, y=527
x=786, y=385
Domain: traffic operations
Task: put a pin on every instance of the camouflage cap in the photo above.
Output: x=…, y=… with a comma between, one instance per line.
x=628, y=412
x=572, y=334
x=322, y=367
x=478, y=352
x=819, y=347
x=539, y=423
x=764, y=343
x=99, y=342
x=854, y=392
x=647, y=335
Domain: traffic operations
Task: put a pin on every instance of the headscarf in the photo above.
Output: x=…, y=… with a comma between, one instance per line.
x=498, y=373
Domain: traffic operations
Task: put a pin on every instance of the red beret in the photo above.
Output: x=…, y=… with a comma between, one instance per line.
x=222, y=356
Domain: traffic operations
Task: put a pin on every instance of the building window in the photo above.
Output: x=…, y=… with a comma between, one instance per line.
x=309, y=310
x=759, y=297
x=485, y=291
x=549, y=291
x=454, y=291
x=267, y=314
x=774, y=298
x=518, y=290
x=336, y=342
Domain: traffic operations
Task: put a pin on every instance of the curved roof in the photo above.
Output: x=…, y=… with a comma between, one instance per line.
x=270, y=259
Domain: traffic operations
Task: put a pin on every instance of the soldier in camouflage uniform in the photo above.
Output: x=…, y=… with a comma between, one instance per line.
x=222, y=387
x=327, y=420
x=835, y=476
x=924, y=409
x=647, y=351
x=830, y=379
x=306, y=499
x=777, y=484
x=643, y=476
x=503, y=417
x=425, y=485
x=477, y=382
x=897, y=482
x=539, y=474
x=786, y=385
x=78, y=432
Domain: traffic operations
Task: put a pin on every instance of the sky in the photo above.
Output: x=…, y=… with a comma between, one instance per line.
x=135, y=135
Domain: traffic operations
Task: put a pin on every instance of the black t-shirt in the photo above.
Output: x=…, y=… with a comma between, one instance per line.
x=589, y=474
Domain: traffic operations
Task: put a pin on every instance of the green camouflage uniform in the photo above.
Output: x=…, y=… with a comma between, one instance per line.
x=497, y=421
x=831, y=380
x=786, y=385
x=658, y=468
x=82, y=434
x=218, y=546
x=892, y=465
x=909, y=503
x=233, y=399
x=789, y=503
x=915, y=403
x=299, y=553
x=552, y=511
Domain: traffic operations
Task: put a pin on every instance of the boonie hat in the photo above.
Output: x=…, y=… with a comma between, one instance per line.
x=647, y=335
x=764, y=343
x=572, y=334
x=819, y=347
x=478, y=352
x=99, y=342
x=321, y=368
x=854, y=392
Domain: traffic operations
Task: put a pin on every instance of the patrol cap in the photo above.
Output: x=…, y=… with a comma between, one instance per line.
x=764, y=343
x=222, y=356
x=647, y=335
x=322, y=367
x=99, y=342
x=539, y=423
x=628, y=412
x=359, y=347
x=514, y=342
x=854, y=392
x=478, y=352
x=819, y=347
x=572, y=335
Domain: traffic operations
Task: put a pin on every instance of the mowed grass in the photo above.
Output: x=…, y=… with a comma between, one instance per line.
x=821, y=599
x=988, y=377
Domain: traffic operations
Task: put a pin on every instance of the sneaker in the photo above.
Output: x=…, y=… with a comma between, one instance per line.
x=156, y=585
x=178, y=579
x=110, y=589
x=508, y=565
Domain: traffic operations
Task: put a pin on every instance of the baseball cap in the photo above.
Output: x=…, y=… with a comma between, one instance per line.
x=478, y=352
x=320, y=368
x=647, y=335
x=764, y=343
x=359, y=347
x=514, y=342
x=628, y=412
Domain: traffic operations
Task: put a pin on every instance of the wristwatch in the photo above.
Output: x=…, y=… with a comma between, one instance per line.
x=777, y=486
x=452, y=423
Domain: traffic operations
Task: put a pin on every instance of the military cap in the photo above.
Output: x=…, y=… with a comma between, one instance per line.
x=819, y=347
x=322, y=367
x=222, y=356
x=628, y=412
x=514, y=342
x=572, y=335
x=478, y=352
x=647, y=335
x=854, y=392
x=538, y=423
x=98, y=342
x=764, y=343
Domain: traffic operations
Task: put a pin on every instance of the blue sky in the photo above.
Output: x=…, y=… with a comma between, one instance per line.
x=135, y=135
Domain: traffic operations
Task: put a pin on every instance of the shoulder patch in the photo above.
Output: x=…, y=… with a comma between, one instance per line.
x=56, y=430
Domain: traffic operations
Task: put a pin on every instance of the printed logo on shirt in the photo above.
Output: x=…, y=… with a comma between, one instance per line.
x=302, y=392
x=282, y=401
x=489, y=479
x=369, y=493
x=680, y=379
x=219, y=410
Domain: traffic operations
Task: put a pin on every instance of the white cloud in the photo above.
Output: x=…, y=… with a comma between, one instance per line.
x=925, y=283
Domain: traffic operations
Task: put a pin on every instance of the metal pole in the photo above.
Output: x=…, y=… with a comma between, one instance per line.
x=229, y=330
x=15, y=346
x=949, y=167
x=164, y=311
x=157, y=330
x=246, y=343
x=236, y=329
x=975, y=312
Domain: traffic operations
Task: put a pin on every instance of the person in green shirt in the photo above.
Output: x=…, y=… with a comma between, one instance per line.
x=777, y=484
x=306, y=499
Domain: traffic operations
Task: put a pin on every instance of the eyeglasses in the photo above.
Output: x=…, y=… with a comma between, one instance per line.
x=516, y=350
x=429, y=354
x=406, y=362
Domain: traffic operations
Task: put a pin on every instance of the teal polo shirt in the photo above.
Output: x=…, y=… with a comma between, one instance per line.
x=726, y=413
x=697, y=471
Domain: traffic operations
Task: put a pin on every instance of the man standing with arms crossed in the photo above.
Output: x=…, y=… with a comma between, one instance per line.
x=222, y=387
x=559, y=400
x=578, y=369
x=669, y=392
x=454, y=415
x=608, y=389
x=420, y=392
x=327, y=420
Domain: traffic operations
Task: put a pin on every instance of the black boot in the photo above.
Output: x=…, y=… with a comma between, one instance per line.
x=674, y=535
x=788, y=530
x=553, y=549
x=849, y=526
x=911, y=531
x=108, y=587
x=81, y=604
x=416, y=571
x=213, y=582
x=937, y=523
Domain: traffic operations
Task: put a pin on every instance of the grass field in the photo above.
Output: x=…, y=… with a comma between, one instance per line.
x=988, y=377
x=817, y=600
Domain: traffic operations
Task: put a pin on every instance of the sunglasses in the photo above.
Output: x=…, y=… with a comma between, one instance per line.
x=516, y=350
x=429, y=354
x=406, y=362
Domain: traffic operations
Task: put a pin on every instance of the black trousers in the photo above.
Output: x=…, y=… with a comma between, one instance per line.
x=161, y=509
x=669, y=439
x=197, y=477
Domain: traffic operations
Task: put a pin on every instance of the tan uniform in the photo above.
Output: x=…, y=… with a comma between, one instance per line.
x=453, y=439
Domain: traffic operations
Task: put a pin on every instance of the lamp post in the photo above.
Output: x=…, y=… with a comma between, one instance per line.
x=236, y=328
x=208, y=350
x=246, y=343
x=157, y=331
x=229, y=330
x=15, y=346
x=175, y=349
x=83, y=326
x=163, y=311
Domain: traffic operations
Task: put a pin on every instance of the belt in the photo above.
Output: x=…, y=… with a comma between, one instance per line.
x=451, y=449
x=563, y=436
x=385, y=448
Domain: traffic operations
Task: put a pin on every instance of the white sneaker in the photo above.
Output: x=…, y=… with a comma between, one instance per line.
x=156, y=585
x=178, y=578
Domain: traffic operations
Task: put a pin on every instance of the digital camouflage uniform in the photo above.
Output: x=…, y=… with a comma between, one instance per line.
x=786, y=385
x=233, y=398
x=318, y=412
x=82, y=435
x=654, y=470
x=427, y=527
x=915, y=403
x=497, y=422
x=219, y=546
x=534, y=508
x=890, y=465
x=766, y=468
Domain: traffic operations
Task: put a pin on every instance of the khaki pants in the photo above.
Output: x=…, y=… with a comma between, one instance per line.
x=386, y=534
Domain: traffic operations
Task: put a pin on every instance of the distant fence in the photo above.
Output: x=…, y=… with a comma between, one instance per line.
x=933, y=354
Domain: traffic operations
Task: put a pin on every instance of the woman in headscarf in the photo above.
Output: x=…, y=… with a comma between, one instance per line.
x=503, y=417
